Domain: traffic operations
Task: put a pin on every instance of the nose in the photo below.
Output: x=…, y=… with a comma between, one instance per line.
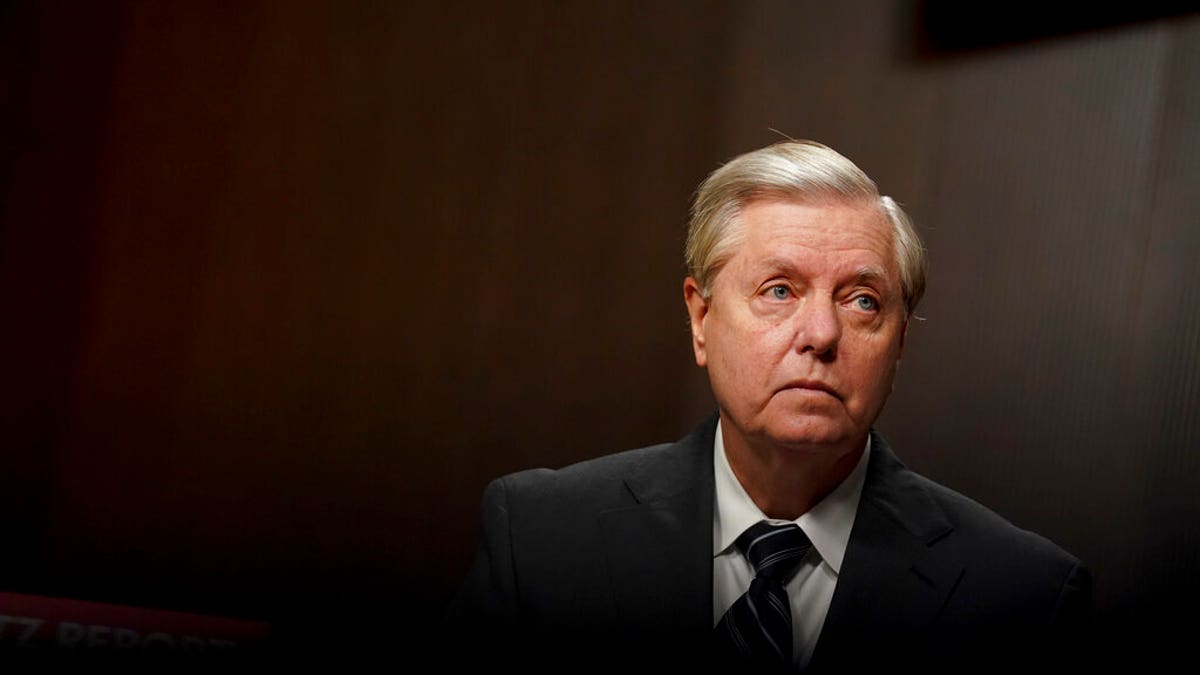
x=818, y=326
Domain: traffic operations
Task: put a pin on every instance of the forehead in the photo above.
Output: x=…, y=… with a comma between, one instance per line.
x=824, y=233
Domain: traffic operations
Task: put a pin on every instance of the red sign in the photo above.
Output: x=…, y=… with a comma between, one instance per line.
x=33, y=622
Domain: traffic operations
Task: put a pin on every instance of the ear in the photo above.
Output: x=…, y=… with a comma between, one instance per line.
x=697, y=306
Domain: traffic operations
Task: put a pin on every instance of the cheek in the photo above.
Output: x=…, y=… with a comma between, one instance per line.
x=875, y=360
x=745, y=359
x=756, y=349
x=741, y=344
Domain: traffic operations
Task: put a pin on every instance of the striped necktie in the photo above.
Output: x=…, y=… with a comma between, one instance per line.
x=758, y=626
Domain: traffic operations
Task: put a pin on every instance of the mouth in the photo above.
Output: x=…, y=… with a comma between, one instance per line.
x=812, y=386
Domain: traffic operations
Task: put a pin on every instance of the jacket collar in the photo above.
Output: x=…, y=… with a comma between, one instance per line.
x=660, y=549
x=895, y=578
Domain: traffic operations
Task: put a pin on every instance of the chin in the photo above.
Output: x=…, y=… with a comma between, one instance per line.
x=809, y=435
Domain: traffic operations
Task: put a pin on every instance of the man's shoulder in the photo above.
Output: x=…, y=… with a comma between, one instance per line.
x=563, y=504
x=588, y=472
x=655, y=469
x=966, y=523
x=982, y=526
x=1007, y=581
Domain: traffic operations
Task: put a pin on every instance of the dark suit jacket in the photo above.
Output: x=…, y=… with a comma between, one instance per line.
x=612, y=558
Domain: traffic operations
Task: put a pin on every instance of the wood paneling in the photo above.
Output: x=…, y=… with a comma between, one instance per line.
x=286, y=285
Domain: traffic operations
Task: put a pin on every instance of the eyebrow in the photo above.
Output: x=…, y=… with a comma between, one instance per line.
x=863, y=275
x=781, y=264
x=870, y=273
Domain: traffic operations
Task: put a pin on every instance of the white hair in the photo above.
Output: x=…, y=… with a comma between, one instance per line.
x=790, y=170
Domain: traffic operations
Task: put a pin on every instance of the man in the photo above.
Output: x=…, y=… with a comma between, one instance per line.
x=783, y=533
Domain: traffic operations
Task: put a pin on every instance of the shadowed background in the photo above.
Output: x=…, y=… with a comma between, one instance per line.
x=285, y=284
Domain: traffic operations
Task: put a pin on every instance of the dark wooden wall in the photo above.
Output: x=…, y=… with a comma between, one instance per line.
x=285, y=284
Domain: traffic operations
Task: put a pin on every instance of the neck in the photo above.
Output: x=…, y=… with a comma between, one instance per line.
x=786, y=482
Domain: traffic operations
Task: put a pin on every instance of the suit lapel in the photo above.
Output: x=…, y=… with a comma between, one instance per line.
x=893, y=582
x=660, y=549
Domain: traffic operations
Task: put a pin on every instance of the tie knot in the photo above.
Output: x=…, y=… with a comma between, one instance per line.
x=775, y=551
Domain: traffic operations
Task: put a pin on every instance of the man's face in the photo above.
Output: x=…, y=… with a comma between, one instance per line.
x=803, y=329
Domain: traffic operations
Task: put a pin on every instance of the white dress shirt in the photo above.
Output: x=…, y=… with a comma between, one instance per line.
x=827, y=525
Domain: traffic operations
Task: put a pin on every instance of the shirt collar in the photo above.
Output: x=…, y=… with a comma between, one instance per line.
x=827, y=524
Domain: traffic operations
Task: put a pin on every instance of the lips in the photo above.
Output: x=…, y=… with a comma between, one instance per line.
x=812, y=385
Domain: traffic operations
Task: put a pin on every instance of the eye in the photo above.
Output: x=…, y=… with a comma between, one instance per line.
x=780, y=292
x=866, y=303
